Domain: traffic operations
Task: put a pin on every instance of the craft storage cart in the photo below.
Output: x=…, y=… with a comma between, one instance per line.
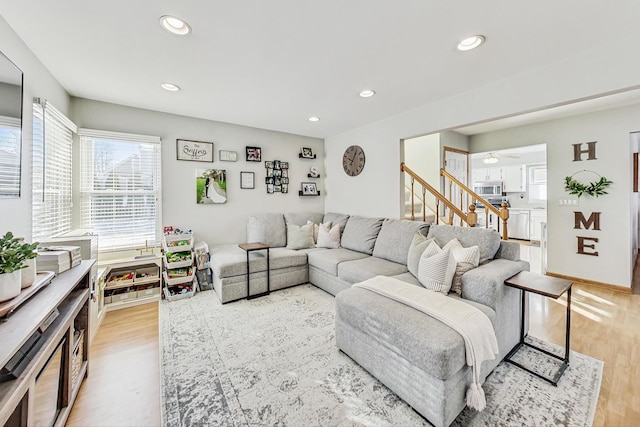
x=126, y=283
x=179, y=273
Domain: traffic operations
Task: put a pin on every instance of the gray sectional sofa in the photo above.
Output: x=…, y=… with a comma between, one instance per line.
x=421, y=359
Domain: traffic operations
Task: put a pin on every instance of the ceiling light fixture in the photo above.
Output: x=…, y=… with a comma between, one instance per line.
x=314, y=119
x=175, y=25
x=170, y=87
x=367, y=93
x=471, y=42
x=490, y=159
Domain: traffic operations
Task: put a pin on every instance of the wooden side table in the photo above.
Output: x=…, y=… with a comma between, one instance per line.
x=250, y=247
x=551, y=287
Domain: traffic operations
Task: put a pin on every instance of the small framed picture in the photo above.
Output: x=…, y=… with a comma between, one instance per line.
x=306, y=153
x=270, y=188
x=285, y=188
x=197, y=151
x=228, y=156
x=268, y=164
x=247, y=180
x=284, y=180
x=276, y=164
x=269, y=172
x=254, y=154
x=269, y=180
x=285, y=172
x=284, y=165
x=309, y=189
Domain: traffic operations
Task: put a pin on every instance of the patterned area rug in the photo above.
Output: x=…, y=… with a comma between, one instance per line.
x=273, y=361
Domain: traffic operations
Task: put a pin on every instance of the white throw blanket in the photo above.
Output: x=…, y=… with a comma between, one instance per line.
x=475, y=327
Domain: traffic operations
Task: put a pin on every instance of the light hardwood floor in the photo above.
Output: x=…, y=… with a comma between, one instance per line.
x=123, y=388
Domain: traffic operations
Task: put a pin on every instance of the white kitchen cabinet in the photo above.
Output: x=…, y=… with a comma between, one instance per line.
x=538, y=216
x=513, y=179
x=486, y=174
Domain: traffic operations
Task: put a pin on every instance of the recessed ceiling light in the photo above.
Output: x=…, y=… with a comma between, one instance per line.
x=314, y=119
x=471, y=42
x=170, y=87
x=367, y=93
x=175, y=25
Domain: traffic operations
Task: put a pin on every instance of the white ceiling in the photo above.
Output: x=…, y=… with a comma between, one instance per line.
x=273, y=64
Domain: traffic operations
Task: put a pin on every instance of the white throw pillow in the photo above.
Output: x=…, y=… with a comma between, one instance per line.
x=416, y=249
x=299, y=237
x=436, y=269
x=329, y=239
x=466, y=259
x=316, y=227
x=453, y=243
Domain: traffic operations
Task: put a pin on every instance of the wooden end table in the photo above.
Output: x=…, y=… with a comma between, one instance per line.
x=250, y=247
x=551, y=287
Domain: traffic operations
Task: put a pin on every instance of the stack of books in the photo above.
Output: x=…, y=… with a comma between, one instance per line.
x=58, y=258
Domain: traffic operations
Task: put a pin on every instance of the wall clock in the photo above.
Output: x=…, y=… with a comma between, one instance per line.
x=353, y=160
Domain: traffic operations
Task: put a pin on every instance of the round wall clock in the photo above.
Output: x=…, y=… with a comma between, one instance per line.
x=353, y=160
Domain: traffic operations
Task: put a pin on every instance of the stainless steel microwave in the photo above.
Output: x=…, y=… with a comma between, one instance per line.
x=488, y=188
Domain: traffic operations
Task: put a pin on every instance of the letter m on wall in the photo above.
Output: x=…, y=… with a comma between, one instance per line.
x=581, y=221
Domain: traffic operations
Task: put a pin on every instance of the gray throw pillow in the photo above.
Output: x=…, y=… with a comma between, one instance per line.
x=416, y=248
x=360, y=233
x=300, y=236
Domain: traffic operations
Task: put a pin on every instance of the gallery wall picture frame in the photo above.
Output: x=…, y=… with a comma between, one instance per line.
x=254, y=154
x=309, y=189
x=306, y=153
x=211, y=186
x=247, y=180
x=195, y=151
x=228, y=156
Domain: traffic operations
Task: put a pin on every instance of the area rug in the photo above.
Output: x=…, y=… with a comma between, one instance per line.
x=273, y=361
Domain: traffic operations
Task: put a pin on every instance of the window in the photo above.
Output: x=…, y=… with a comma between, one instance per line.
x=120, y=188
x=9, y=157
x=52, y=149
x=537, y=183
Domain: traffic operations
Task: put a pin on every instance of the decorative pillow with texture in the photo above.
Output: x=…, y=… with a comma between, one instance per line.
x=326, y=225
x=329, y=238
x=436, y=271
x=360, y=234
x=300, y=237
x=466, y=259
x=416, y=248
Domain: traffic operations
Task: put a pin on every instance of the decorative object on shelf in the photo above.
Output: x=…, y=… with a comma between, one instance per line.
x=247, y=180
x=197, y=151
x=353, y=160
x=13, y=256
x=313, y=172
x=254, y=154
x=228, y=156
x=595, y=189
x=211, y=186
x=277, y=179
x=309, y=189
x=178, y=274
x=306, y=153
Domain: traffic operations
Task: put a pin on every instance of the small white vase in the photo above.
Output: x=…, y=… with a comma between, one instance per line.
x=28, y=273
x=10, y=285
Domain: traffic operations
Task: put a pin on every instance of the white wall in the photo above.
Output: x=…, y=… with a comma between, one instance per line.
x=15, y=214
x=604, y=69
x=223, y=223
x=611, y=130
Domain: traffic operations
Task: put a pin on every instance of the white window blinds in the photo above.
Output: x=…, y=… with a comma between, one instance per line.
x=9, y=157
x=52, y=159
x=120, y=188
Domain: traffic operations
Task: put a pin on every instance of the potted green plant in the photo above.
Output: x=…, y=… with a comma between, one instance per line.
x=13, y=254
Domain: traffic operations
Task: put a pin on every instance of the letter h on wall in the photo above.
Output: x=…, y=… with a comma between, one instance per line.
x=590, y=151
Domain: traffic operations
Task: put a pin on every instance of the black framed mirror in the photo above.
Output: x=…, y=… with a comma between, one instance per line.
x=10, y=128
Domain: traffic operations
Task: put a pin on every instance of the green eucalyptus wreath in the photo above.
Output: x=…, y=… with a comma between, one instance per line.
x=595, y=189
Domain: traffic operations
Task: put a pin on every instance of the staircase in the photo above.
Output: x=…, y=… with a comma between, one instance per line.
x=457, y=206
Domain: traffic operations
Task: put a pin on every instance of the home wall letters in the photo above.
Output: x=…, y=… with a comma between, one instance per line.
x=586, y=245
x=590, y=151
